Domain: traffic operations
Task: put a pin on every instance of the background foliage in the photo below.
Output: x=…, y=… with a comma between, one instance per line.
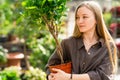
x=28, y=24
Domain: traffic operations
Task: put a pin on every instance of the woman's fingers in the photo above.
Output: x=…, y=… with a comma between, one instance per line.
x=51, y=77
x=57, y=75
x=56, y=70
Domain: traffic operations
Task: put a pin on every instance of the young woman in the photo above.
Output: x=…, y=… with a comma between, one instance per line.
x=91, y=49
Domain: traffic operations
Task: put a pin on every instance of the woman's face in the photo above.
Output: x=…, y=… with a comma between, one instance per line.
x=85, y=20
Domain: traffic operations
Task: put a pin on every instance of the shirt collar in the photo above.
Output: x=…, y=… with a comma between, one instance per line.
x=81, y=44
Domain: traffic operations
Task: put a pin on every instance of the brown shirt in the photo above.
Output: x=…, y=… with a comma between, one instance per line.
x=96, y=64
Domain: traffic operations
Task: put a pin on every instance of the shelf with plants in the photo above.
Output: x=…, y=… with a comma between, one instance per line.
x=115, y=25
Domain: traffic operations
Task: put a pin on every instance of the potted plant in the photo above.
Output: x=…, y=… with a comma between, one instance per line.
x=47, y=13
x=7, y=23
x=14, y=56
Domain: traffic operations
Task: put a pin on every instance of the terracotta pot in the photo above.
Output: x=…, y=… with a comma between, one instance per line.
x=67, y=67
x=14, y=59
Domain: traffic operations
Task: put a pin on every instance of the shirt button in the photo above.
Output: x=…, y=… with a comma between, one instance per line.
x=88, y=52
x=83, y=63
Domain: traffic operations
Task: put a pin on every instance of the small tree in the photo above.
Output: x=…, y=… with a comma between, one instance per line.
x=40, y=13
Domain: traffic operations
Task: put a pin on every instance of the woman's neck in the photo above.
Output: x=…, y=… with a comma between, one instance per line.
x=90, y=36
x=89, y=39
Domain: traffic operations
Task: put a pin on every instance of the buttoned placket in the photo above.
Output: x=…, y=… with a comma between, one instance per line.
x=86, y=55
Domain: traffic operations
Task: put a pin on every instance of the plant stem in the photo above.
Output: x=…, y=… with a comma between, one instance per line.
x=54, y=32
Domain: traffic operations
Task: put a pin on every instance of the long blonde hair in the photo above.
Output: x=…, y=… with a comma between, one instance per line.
x=101, y=30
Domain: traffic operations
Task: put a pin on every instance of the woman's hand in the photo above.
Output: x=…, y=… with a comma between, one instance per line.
x=59, y=75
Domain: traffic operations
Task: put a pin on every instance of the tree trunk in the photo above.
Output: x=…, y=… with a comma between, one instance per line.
x=26, y=58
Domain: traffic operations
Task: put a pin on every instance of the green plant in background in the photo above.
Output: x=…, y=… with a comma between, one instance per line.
x=108, y=18
x=34, y=74
x=3, y=55
x=13, y=73
x=43, y=48
x=7, y=20
x=10, y=73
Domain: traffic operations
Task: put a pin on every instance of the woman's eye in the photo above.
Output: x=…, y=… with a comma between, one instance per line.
x=77, y=17
x=85, y=17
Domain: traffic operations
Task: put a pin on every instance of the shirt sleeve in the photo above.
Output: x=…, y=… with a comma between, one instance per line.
x=103, y=71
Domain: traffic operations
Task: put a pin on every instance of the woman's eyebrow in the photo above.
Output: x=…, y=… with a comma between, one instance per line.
x=83, y=14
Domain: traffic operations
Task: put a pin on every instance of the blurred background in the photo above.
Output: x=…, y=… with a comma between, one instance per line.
x=25, y=41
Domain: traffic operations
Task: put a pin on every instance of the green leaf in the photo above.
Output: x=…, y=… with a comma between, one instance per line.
x=32, y=7
x=43, y=3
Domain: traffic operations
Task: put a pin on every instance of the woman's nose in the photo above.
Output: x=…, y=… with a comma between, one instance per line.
x=80, y=20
